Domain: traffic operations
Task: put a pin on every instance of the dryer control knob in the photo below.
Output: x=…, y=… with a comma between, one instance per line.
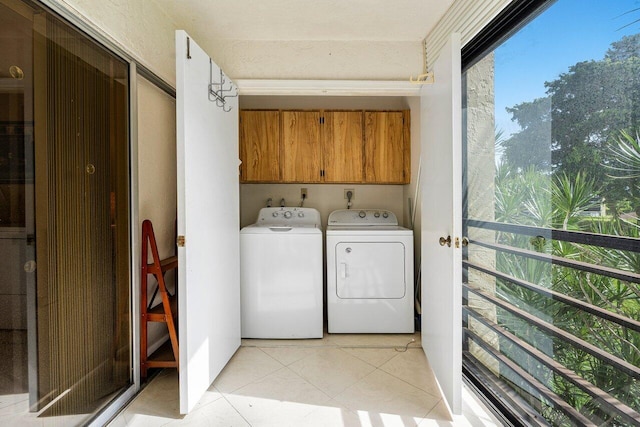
x=301, y=214
x=362, y=214
x=377, y=214
x=385, y=215
x=287, y=214
x=275, y=214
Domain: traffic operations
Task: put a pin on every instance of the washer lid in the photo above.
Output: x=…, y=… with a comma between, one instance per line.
x=362, y=218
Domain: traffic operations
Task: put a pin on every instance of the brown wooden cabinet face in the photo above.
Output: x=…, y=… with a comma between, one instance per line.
x=260, y=145
x=301, y=149
x=342, y=148
x=385, y=147
x=371, y=147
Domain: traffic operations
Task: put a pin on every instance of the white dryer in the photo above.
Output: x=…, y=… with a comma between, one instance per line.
x=281, y=276
x=369, y=273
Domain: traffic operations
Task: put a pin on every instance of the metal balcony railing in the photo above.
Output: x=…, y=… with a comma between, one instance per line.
x=513, y=383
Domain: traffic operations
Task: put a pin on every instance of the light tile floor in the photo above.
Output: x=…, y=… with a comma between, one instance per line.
x=340, y=380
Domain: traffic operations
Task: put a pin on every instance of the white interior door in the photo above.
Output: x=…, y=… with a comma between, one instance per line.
x=208, y=217
x=441, y=132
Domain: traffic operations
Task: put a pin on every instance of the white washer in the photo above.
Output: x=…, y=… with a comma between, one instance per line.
x=281, y=274
x=369, y=273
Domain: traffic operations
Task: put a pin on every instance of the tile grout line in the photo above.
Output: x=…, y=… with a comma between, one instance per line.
x=257, y=379
x=234, y=408
x=423, y=417
x=408, y=383
x=283, y=367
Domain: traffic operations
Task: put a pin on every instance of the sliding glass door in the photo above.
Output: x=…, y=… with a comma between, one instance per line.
x=552, y=211
x=64, y=207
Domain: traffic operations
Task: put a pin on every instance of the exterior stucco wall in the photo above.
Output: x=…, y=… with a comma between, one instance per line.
x=480, y=140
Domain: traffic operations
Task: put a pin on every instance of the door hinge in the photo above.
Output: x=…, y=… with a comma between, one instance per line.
x=188, y=48
x=181, y=241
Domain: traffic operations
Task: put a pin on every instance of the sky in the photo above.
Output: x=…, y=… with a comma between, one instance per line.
x=568, y=32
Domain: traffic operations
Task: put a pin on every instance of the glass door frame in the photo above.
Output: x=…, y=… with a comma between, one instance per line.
x=135, y=70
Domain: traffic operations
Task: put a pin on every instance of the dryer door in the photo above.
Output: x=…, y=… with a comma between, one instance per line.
x=370, y=270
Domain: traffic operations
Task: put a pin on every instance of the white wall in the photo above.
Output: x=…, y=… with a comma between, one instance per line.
x=324, y=102
x=324, y=197
x=157, y=181
x=139, y=27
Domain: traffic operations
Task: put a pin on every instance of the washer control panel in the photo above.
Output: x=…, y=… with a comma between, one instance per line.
x=362, y=217
x=289, y=216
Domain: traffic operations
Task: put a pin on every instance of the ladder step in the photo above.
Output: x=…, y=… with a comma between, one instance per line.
x=159, y=309
x=162, y=357
x=165, y=265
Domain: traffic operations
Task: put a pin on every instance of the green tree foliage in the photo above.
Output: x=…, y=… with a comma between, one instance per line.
x=532, y=145
x=530, y=196
x=571, y=197
x=568, y=131
x=623, y=165
x=576, y=146
x=536, y=198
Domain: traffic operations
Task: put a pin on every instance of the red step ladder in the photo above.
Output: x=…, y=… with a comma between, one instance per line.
x=167, y=312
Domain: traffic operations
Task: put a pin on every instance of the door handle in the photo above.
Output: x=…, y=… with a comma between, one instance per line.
x=446, y=241
x=343, y=270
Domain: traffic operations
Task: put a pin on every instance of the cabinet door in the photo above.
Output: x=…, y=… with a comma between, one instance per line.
x=343, y=148
x=259, y=146
x=386, y=151
x=301, y=146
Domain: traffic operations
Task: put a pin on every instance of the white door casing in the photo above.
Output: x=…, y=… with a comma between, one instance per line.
x=208, y=218
x=441, y=145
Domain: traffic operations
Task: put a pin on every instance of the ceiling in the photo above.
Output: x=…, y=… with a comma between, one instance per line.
x=310, y=40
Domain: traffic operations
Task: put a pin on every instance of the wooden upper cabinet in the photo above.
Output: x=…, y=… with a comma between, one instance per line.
x=342, y=146
x=260, y=146
x=370, y=147
x=387, y=147
x=301, y=146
